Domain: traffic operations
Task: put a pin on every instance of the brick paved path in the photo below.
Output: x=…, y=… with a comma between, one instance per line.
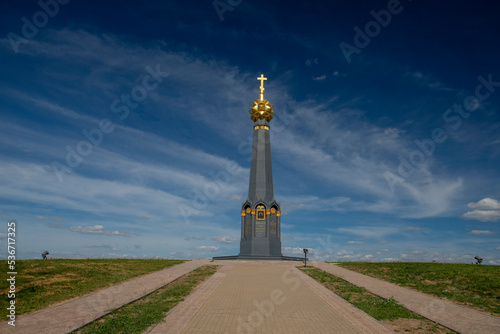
x=265, y=297
x=75, y=313
x=448, y=314
x=254, y=297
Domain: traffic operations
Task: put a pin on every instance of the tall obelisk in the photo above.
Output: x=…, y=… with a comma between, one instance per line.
x=261, y=214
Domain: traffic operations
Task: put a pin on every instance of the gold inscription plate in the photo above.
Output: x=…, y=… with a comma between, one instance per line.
x=261, y=214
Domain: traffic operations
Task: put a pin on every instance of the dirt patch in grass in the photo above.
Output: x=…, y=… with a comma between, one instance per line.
x=414, y=326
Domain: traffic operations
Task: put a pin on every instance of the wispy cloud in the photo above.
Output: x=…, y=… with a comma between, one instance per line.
x=481, y=232
x=225, y=239
x=190, y=237
x=99, y=229
x=206, y=248
x=356, y=242
x=369, y=231
x=427, y=80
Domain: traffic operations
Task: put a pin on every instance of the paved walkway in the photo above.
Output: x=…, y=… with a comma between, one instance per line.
x=265, y=297
x=77, y=312
x=254, y=297
x=448, y=314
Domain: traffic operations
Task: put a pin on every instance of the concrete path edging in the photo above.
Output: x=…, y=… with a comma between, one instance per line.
x=453, y=316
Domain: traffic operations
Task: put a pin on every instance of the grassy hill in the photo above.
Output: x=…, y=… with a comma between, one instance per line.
x=476, y=286
x=41, y=283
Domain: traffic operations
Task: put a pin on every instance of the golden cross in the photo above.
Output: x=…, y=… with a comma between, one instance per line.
x=262, y=83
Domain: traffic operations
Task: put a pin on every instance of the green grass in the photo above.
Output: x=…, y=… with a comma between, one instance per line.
x=377, y=307
x=139, y=315
x=470, y=285
x=40, y=283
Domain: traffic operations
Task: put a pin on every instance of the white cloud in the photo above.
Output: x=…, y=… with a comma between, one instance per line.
x=99, y=229
x=481, y=232
x=344, y=252
x=314, y=203
x=394, y=132
x=320, y=78
x=427, y=80
x=369, y=231
x=105, y=246
x=191, y=237
x=412, y=228
x=236, y=197
x=354, y=155
x=356, y=242
x=486, y=210
x=297, y=251
x=206, y=248
x=225, y=239
x=485, y=204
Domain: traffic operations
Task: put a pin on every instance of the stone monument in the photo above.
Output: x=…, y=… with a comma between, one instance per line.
x=260, y=213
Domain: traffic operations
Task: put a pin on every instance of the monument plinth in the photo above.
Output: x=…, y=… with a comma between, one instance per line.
x=260, y=213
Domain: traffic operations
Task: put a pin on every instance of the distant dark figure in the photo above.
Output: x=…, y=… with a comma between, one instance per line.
x=44, y=255
x=478, y=259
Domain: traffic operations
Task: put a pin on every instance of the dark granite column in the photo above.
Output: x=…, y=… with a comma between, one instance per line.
x=260, y=214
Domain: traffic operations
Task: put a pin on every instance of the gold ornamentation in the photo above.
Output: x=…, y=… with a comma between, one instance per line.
x=243, y=213
x=253, y=211
x=249, y=210
x=261, y=214
x=268, y=212
x=261, y=207
x=278, y=214
x=273, y=210
x=261, y=109
x=262, y=79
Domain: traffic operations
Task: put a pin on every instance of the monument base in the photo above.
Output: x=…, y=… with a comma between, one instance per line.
x=259, y=258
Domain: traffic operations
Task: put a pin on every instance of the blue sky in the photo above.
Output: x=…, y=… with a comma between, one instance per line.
x=125, y=132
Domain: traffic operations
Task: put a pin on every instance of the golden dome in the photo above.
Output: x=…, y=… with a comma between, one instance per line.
x=261, y=109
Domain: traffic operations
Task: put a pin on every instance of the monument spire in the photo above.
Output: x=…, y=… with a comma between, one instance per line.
x=260, y=214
